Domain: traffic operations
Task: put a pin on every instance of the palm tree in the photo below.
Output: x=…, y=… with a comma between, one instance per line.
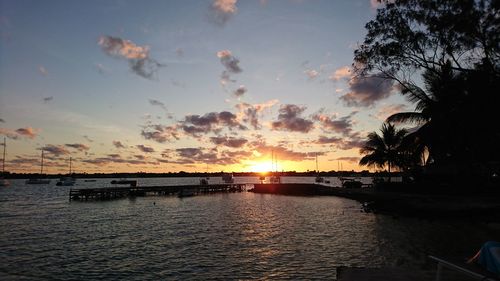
x=437, y=113
x=385, y=149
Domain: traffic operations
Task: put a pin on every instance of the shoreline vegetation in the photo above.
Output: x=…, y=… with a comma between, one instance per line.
x=206, y=174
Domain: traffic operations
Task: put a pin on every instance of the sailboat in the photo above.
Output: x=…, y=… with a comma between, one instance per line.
x=3, y=181
x=67, y=181
x=38, y=180
x=275, y=178
x=318, y=179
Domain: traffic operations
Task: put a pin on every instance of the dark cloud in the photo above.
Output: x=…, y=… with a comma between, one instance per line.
x=282, y=153
x=231, y=65
x=348, y=159
x=137, y=56
x=222, y=10
x=157, y=103
x=101, y=161
x=230, y=62
x=342, y=125
x=140, y=157
x=27, y=132
x=328, y=140
x=56, y=150
x=240, y=91
x=229, y=141
x=78, y=146
x=195, y=125
x=160, y=133
x=289, y=119
x=366, y=91
x=145, y=149
x=118, y=144
x=48, y=99
x=347, y=142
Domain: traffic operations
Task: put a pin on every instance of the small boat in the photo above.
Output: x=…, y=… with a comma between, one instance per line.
x=132, y=183
x=90, y=180
x=38, y=180
x=204, y=181
x=350, y=183
x=3, y=181
x=275, y=179
x=186, y=192
x=228, y=178
x=318, y=179
x=68, y=180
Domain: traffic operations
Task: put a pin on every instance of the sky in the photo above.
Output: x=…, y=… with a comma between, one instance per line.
x=188, y=85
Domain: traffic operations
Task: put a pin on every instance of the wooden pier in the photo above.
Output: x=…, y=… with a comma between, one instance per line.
x=108, y=193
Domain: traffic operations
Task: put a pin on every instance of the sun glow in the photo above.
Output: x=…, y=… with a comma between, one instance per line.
x=260, y=167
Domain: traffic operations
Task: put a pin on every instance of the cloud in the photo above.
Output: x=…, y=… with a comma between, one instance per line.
x=341, y=73
x=229, y=141
x=341, y=125
x=118, y=144
x=56, y=150
x=240, y=91
x=48, y=99
x=195, y=125
x=160, y=133
x=311, y=73
x=158, y=103
x=27, y=132
x=43, y=70
x=78, y=146
x=250, y=113
x=223, y=10
x=230, y=62
x=145, y=149
x=348, y=159
x=328, y=140
x=115, y=158
x=366, y=91
x=282, y=153
x=9, y=133
x=137, y=56
x=2, y=121
x=289, y=119
x=389, y=110
x=193, y=155
x=345, y=143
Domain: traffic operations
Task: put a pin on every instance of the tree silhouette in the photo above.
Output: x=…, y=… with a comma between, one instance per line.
x=384, y=150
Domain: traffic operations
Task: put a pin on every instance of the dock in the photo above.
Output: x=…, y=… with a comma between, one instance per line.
x=109, y=193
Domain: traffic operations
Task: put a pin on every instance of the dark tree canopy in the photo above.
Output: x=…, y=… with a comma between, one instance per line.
x=414, y=35
x=455, y=47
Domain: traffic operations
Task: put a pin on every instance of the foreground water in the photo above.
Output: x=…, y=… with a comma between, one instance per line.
x=222, y=236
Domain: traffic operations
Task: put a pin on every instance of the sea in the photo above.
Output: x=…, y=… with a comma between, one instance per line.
x=224, y=236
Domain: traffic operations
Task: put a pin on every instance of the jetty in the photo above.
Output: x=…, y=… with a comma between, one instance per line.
x=108, y=193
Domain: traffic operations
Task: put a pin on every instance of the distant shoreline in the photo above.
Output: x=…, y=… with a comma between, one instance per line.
x=201, y=174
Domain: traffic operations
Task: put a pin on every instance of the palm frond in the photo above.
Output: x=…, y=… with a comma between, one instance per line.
x=407, y=117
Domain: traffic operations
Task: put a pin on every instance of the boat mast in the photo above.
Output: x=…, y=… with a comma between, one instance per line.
x=70, y=165
x=317, y=171
x=3, y=159
x=41, y=166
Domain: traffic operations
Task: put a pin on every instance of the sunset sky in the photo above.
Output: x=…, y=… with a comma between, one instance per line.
x=191, y=85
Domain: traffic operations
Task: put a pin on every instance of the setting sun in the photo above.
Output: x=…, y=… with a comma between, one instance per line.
x=261, y=167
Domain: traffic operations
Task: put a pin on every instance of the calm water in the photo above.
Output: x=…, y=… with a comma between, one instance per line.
x=223, y=236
